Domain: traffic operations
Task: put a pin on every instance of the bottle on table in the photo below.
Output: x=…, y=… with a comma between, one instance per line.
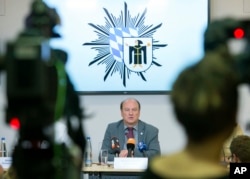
x=88, y=153
x=3, y=148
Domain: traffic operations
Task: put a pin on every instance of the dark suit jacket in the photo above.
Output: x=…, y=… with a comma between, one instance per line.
x=146, y=133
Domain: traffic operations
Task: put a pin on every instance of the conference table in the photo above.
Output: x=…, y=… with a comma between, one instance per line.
x=97, y=171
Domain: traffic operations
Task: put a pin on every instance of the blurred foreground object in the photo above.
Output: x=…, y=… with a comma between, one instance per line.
x=39, y=93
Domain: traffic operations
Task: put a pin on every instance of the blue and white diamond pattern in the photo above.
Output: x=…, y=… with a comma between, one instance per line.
x=116, y=36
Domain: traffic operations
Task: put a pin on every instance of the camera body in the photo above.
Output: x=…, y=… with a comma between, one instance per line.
x=31, y=95
x=232, y=35
x=31, y=82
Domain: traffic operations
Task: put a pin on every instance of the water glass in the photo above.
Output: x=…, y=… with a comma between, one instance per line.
x=104, y=156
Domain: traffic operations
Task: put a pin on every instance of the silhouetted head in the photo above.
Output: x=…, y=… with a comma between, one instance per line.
x=205, y=96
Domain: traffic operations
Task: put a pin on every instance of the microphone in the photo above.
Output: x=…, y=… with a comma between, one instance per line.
x=115, y=145
x=131, y=147
x=142, y=148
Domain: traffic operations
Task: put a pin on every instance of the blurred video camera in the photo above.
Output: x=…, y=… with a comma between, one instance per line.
x=31, y=82
x=39, y=92
x=234, y=35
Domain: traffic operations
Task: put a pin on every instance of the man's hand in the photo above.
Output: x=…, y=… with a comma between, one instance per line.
x=1, y=171
x=123, y=153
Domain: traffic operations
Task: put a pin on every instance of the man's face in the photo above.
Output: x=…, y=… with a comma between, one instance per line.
x=130, y=112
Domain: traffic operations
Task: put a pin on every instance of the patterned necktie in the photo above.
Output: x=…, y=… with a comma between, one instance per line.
x=130, y=133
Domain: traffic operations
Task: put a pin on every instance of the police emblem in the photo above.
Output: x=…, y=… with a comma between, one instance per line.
x=125, y=45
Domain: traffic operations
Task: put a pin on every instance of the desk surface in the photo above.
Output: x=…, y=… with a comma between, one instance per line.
x=99, y=168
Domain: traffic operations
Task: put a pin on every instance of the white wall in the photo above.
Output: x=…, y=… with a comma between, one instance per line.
x=156, y=109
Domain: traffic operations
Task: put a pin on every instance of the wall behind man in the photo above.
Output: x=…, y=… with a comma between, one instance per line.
x=156, y=109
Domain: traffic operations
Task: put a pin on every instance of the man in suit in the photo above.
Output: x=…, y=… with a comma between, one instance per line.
x=116, y=135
